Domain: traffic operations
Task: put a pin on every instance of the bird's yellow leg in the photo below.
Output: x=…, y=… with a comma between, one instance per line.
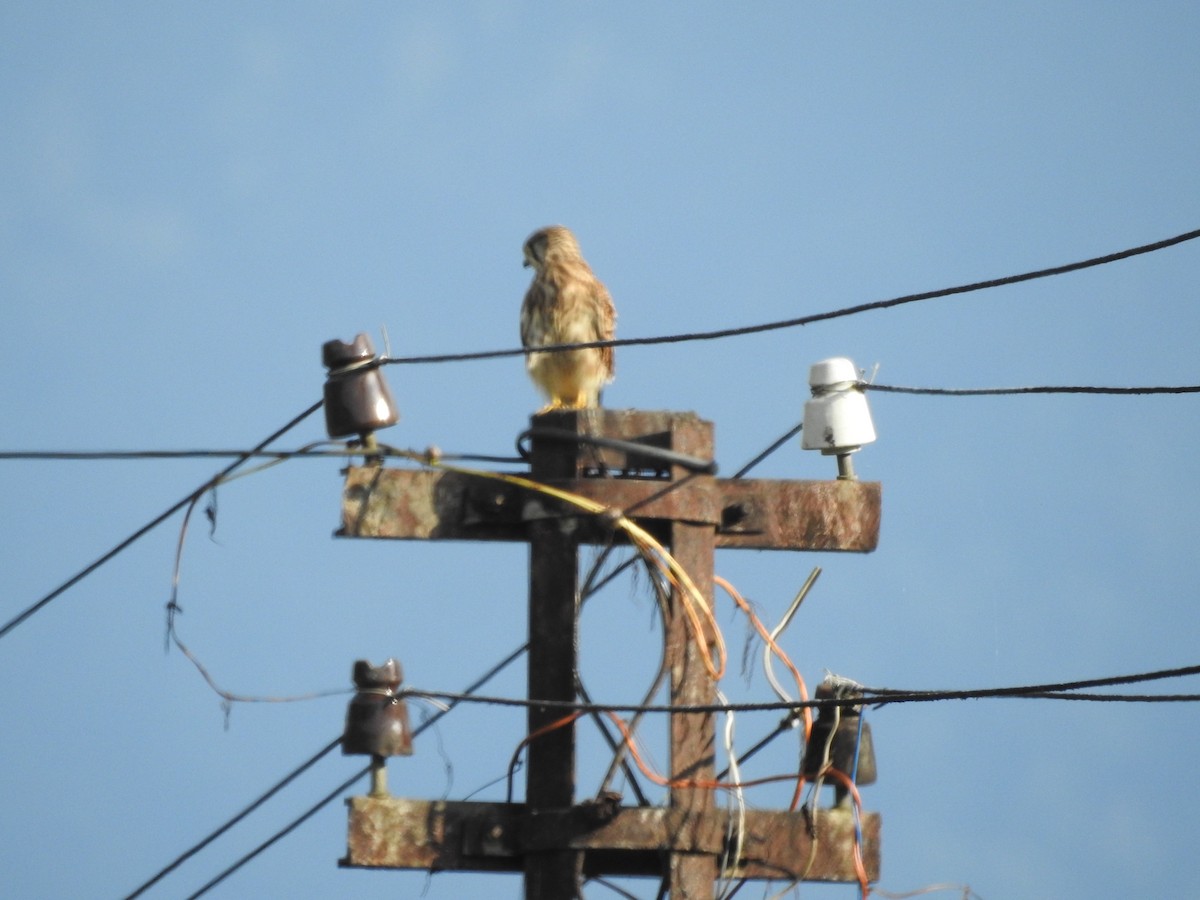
x=580, y=401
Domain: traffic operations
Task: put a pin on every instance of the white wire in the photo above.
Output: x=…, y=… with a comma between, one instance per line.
x=740, y=833
x=783, y=695
x=819, y=782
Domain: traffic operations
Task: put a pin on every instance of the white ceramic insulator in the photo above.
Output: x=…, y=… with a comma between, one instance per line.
x=837, y=418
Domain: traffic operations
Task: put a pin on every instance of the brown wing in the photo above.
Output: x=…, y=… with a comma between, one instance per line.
x=604, y=316
x=535, y=313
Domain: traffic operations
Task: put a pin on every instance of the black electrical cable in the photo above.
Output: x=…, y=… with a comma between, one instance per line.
x=1068, y=690
x=616, y=889
x=671, y=457
x=155, y=522
x=780, y=705
x=124, y=455
x=1039, y=389
x=815, y=317
x=786, y=724
x=302, y=453
x=783, y=439
x=887, y=695
x=282, y=833
x=271, y=792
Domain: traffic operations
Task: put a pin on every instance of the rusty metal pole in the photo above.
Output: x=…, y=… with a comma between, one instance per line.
x=553, y=627
x=693, y=735
x=547, y=836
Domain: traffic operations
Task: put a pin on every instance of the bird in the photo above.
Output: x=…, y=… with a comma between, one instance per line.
x=565, y=304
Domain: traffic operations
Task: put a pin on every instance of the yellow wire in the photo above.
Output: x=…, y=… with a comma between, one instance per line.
x=648, y=546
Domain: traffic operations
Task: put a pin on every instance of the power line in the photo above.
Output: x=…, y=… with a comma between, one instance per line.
x=1041, y=389
x=813, y=318
x=153, y=523
x=775, y=445
x=782, y=705
x=707, y=465
x=271, y=792
x=1108, y=681
x=119, y=455
x=1069, y=690
x=282, y=833
x=301, y=453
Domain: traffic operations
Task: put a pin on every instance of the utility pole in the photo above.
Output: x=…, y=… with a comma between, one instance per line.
x=551, y=838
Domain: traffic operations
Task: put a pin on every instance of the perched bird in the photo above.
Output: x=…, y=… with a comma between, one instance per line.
x=565, y=304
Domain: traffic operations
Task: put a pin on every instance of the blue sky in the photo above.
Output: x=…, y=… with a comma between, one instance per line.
x=197, y=197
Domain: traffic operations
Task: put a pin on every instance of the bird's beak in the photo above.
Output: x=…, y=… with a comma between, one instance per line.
x=525, y=263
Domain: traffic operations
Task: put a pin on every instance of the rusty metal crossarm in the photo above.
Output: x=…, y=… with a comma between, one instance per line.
x=415, y=504
x=400, y=833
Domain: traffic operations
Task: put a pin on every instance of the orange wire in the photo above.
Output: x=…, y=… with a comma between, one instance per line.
x=797, y=793
x=806, y=713
x=647, y=545
x=533, y=736
x=703, y=784
x=715, y=670
x=859, y=866
x=546, y=729
x=775, y=648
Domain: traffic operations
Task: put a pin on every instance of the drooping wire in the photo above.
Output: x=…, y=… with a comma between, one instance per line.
x=155, y=522
x=173, y=610
x=815, y=317
x=427, y=723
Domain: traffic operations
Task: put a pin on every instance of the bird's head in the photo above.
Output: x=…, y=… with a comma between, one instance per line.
x=549, y=244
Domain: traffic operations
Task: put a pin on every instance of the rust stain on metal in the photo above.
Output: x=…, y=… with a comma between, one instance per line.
x=394, y=832
x=407, y=504
x=801, y=515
